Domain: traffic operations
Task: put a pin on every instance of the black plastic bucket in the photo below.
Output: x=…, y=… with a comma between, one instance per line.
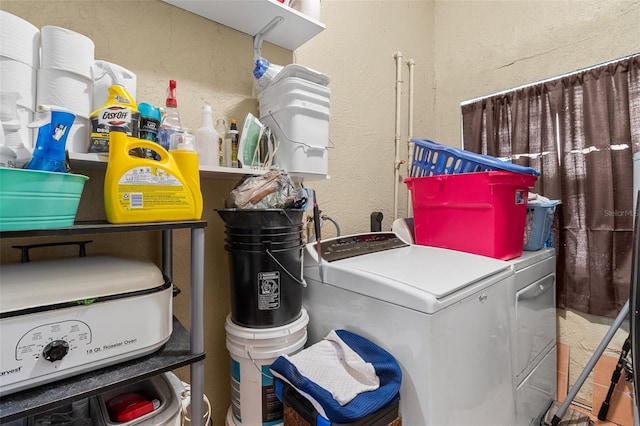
x=257, y=246
x=264, y=231
x=260, y=219
x=258, y=238
x=267, y=285
x=265, y=252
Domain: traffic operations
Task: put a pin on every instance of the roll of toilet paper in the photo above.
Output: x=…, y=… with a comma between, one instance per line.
x=21, y=78
x=79, y=135
x=67, y=50
x=106, y=74
x=65, y=89
x=19, y=40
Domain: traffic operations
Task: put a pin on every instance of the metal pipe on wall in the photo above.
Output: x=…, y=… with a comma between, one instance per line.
x=411, y=64
x=396, y=166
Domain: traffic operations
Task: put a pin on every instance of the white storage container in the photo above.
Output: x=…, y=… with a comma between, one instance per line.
x=297, y=112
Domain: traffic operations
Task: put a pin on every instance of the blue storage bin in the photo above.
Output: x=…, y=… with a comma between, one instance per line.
x=431, y=158
x=537, y=229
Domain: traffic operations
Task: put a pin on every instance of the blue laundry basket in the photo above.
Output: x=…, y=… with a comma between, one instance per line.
x=431, y=159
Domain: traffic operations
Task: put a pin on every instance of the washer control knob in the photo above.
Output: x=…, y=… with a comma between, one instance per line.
x=56, y=350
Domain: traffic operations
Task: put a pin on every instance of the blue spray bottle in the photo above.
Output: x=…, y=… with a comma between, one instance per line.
x=49, y=153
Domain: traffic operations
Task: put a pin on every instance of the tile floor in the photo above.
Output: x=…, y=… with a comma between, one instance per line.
x=621, y=403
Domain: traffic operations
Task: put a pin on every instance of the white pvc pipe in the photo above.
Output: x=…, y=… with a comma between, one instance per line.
x=411, y=64
x=396, y=166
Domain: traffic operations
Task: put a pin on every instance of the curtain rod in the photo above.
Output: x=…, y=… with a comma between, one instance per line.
x=502, y=92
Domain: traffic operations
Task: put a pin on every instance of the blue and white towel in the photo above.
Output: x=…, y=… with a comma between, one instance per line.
x=345, y=376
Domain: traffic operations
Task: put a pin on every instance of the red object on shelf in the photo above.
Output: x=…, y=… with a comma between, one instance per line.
x=129, y=406
x=482, y=213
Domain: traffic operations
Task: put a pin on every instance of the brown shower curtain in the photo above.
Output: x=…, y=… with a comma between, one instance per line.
x=580, y=132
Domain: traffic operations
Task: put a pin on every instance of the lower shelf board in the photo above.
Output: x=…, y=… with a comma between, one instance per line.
x=173, y=354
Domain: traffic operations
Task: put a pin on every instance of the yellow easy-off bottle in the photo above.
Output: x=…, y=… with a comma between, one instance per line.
x=140, y=190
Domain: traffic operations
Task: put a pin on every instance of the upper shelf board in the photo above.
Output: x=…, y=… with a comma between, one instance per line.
x=251, y=16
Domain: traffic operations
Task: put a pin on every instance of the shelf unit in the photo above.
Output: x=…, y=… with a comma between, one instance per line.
x=183, y=348
x=252, y=16
x=91, y=161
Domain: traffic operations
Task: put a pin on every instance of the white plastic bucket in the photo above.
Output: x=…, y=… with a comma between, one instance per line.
x=253, y=350
x=297, y=112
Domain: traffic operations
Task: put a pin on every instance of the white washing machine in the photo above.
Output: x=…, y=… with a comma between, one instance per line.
x=532, y=298
x=444, y=315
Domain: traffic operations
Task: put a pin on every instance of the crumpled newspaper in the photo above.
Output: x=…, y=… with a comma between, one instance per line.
x=272, y=190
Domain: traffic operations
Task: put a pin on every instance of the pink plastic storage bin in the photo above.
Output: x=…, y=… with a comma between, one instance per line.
x=482, y=213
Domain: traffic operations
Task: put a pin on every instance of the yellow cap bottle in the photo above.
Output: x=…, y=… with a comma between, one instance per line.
x=139, y=190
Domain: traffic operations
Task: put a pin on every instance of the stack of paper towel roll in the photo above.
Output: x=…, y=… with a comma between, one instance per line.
x=65, y=79
x=19, y=60
x=55, y=66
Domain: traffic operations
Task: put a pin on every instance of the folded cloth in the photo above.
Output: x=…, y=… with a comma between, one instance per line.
x=345, y=376
x=537, y=198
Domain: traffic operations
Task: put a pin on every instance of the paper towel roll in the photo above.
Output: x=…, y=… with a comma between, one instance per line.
x=19, y=40
x=65, y=89
x=79, y=135
x=106, y=74
x=66, y=50
x=21, y=78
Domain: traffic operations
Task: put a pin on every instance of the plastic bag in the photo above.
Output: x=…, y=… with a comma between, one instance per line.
x=264, y=72
x=272, y=190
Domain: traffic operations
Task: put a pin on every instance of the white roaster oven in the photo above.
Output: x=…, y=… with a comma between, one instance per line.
x=62, y=317
x=449, y=318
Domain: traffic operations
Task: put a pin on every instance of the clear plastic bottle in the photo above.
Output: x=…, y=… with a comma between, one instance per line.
x=207, y=139
x=170, y=119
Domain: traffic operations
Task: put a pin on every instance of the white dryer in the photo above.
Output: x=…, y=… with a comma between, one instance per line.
x=532, y=299
x=444, y=315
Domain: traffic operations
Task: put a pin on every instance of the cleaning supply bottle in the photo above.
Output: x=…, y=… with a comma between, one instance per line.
x=49, y=153
x=150, y=118
x=120, y=110
x=207, y=139
x=13, y=141
x=224, y=151
x=7, y=156
x=234, y=139
x=171, y=118
x=186, y=157
x=146, y=190
x=10, y=129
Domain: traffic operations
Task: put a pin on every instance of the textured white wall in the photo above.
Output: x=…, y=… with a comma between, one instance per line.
x=357, y=50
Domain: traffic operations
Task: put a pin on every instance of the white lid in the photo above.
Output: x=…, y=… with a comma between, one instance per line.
x=49, y=282
x=300, y=71
x=418, y=277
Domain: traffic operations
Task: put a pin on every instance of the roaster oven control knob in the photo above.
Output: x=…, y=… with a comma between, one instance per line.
x=55, y=350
